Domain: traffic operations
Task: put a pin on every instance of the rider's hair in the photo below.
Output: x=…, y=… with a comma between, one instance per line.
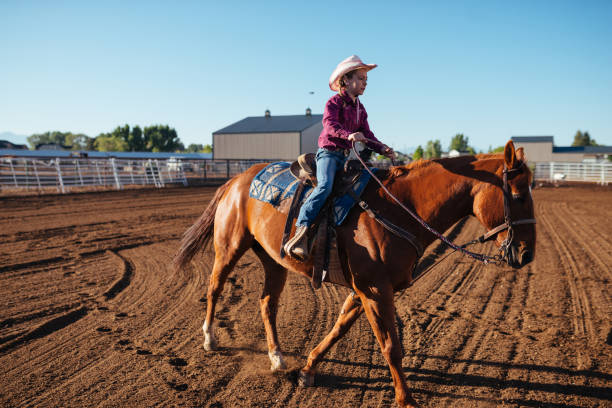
x=348, y=75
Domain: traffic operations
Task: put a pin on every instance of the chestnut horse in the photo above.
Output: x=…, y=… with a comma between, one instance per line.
x=375, y=262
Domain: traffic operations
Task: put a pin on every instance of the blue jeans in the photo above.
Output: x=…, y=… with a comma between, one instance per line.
x=328, y=163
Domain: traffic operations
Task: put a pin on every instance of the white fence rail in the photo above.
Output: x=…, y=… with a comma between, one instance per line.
x=600, y=173
x=65, y=174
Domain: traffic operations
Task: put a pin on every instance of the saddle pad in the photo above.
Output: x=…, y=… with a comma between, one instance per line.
x=275, y=183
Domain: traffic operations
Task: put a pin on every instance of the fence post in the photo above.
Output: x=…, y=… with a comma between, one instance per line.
x=76, y=162
x=36, y=174
x=160, y=176
x=227, y=165
x=59, y=175
x=552, y=171
x=13, y=172
x=603, y=178
x=117, y=182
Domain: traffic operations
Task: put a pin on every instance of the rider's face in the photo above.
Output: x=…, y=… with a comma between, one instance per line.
x=356, y=85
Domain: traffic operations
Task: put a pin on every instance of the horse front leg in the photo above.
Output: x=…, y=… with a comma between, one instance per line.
x=351, y=310
x=380, y=309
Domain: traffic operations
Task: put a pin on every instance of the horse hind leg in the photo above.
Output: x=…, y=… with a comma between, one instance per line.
x=227, y=253
x=274, y=283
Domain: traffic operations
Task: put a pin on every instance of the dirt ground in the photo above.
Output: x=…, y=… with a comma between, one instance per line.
x=91, y=314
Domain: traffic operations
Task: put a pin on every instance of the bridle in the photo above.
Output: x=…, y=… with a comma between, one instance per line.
x=504, y=247
x=508, y=224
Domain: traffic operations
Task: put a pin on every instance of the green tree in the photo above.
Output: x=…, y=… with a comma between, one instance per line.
x=78, y=141
x=110, y=143
x=418, y=153
x=161, y=138
x=47, y=137
x=207, y=149
x=194, y=148
x=583, y=139
x=135, y=140
x=433, y=149
x=459, y=142
x=74, y=141
x=498, y=149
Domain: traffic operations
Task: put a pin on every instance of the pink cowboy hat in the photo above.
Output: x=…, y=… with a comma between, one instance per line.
x=350, y=64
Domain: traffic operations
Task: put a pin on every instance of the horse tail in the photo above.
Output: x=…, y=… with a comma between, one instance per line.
x=198, y=235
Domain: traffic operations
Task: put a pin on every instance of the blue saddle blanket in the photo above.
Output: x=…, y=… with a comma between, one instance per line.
x=275, y=183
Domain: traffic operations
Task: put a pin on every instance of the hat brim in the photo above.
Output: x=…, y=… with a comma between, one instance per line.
x=334, y=84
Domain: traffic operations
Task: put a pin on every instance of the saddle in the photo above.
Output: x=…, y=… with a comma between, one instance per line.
x=322, y=234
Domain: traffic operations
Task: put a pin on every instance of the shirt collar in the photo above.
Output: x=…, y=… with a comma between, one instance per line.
x=346, y=98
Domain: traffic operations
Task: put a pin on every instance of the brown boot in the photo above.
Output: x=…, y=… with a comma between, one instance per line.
x=297, y=247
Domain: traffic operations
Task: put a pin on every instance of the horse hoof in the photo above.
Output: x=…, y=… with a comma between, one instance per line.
x=276, y=358
x=305, y=379
x=210, y=345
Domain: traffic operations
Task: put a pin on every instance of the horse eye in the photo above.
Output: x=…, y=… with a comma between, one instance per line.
x=517, y=197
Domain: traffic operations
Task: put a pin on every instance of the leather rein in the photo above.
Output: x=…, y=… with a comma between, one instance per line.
x=508, y=224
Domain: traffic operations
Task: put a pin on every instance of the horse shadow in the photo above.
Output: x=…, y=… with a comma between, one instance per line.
x=469, y=382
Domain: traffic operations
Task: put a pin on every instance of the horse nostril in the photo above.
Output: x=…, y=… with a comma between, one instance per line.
x=526, y=257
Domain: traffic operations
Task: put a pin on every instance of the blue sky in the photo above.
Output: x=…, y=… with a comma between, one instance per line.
x=488, y=69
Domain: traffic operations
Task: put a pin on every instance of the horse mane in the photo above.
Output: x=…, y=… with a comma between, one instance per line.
x=447, y=162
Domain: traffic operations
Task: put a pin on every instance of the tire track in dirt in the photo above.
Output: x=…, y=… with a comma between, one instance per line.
x=74, y=379
x=582, y=316
x=598, y=249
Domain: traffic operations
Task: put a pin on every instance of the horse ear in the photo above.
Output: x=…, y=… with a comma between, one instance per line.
x=509, y=155
x=520, y=154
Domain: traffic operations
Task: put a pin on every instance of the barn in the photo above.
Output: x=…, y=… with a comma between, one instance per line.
x=542, y=149
x=268, y=137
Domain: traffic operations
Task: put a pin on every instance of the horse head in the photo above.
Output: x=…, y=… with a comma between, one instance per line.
x=506, y=208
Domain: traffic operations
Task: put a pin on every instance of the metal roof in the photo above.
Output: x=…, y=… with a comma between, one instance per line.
x=583, y=149
x=272, y=124
x=532, y=139
x=93, y=154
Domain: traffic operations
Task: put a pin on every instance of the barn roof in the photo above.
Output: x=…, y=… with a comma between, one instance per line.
x=272, y=124
x=583, y=149
x=532, y=139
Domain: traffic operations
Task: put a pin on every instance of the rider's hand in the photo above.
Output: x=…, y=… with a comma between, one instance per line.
x=389, y=152
x=357, y=137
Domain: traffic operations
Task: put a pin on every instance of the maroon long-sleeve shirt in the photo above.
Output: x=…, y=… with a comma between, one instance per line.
x=340, y=119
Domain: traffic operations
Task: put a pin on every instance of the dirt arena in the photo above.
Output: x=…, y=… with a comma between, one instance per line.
x=92, y=315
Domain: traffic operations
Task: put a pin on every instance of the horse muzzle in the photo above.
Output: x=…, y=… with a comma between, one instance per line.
x=517, y=257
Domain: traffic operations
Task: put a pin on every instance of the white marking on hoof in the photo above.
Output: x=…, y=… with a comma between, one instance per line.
x=305, y=379
x=278, y=363
x=210, y=343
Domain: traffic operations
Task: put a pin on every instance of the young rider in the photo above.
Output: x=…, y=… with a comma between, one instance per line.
x=344, y=121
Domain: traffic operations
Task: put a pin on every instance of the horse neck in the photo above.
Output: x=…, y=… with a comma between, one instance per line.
x=441, y=197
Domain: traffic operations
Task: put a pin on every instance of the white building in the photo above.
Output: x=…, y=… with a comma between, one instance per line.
x=542, y=149
x=268, y=137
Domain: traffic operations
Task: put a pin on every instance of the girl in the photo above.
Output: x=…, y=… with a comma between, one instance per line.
x=344, y=121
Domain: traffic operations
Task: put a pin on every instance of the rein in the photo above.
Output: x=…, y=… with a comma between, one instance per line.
x=485, y=259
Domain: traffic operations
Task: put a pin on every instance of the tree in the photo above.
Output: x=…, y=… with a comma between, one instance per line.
x=74, y=141
x=433, y=149
x=583, y=139
x=47, y=137
x=418, y=153
x=194, y=148
x=207, y=149
x=78, y=141
x=135, y=140
x=110, y=143
x=498, y=149
x=459, y=142
x=161, y=138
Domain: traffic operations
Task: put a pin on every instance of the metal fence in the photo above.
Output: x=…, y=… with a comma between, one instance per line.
x=600, y=173
x=70, y=174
